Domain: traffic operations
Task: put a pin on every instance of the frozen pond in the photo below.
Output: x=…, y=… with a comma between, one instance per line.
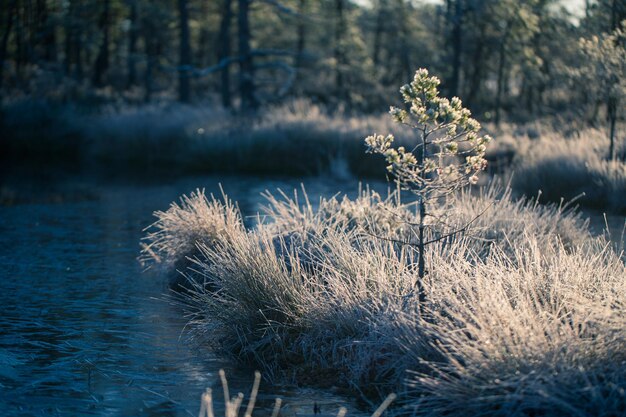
x=83, y=331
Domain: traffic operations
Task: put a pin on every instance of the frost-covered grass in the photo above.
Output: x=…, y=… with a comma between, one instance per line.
x=539, y=332
x=524, y=312
x=561, y=168
x=297, y=138
x=173, y=237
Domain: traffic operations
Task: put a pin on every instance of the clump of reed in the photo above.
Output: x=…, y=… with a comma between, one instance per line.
x=524, y=311
x=173, y=237
x=232, y=405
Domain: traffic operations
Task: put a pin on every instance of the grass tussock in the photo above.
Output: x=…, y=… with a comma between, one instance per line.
x=563, y=167
x=173, y=237
x=533, y=333
x=524, y=312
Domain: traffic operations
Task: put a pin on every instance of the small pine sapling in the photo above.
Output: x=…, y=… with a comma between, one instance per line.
x=449, y=153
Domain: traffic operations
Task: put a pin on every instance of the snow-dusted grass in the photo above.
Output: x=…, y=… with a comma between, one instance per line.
x=524, y=312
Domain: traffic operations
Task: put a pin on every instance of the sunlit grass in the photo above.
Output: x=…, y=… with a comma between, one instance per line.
x=563, y=168
x=524, y=312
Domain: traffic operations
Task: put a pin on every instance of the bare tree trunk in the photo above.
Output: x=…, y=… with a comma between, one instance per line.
x=101, y=65
x=301, y=34
x=20, y=48
x=224, y=51
x=78, y=56
x=68, y=29
x=477, y=73
x=202, y=50
x=612, y=116
x=340, y=32
x=5, y=36
x=150, y=40
x=500, y=85
x=133, y=37
x=378, y=32
x=455, y=9
x=405, y=58
x=29, y=27
x=246, y=64
x=501, y=74
x=618, y=13
x=72, y=61
x=527, y=95
x=298, y=59
x=46, y=31
x=184, y=71
x=31, y=23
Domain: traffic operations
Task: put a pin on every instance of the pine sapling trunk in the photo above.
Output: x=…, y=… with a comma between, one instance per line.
x=422, y=215
x=422, y=254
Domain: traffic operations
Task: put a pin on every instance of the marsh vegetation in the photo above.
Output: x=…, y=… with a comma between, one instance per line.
x=527, y=306
x=470, y=277
x=458, y=301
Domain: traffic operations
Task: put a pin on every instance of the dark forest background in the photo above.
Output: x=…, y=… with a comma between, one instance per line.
x=500, y=56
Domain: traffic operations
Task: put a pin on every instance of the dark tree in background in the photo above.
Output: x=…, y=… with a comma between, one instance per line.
x=133, y=38
x=9, y=19
x=184, y=71
x=246, y=64
x=301, y=34
x=102, y=61
x=224, y=51
x=382, y=14
x=340, y=57
x=455, y=16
